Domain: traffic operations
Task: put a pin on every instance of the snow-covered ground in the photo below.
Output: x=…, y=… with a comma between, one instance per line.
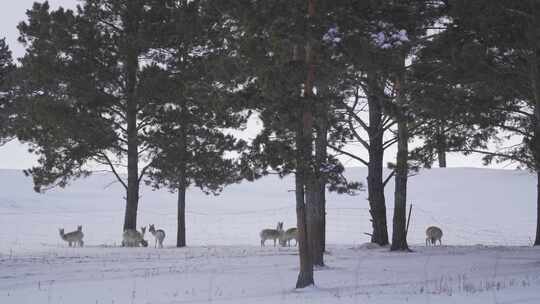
x=248, y=274
x=488, y=219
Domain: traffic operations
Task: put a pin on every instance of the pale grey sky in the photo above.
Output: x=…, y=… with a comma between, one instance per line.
x=15, y=156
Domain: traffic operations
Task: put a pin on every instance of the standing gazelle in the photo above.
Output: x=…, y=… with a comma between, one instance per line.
x=132, y=238
x=432, y=235
x=274, y=234
x=159, y=235
x=74, y=237
x=287, y=236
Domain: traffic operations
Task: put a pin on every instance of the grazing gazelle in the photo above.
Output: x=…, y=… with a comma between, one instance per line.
x=274, y=234
x=287, y=236
x=132, y=238
x=74, y=237
x=159, y=235
x=432, y=235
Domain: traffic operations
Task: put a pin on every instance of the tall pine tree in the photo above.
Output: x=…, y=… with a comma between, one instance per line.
x=6, y=103
x=492, y=54
x=81, y=92
x=194, y=104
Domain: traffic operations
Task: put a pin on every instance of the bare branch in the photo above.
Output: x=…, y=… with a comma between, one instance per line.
x=357, y=136
x=389, y=177
x=348, y=154
x=113, y=169
x=143, y=171
x=389, y=143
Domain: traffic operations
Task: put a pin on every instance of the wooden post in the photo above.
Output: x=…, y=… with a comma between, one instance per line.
x=408, y=221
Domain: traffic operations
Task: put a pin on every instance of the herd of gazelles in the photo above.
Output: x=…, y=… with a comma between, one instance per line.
x=134, y=238
x=130, y=237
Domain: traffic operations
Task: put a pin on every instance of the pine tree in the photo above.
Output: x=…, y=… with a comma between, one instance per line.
x=6, y=105
x=364, y=75
x=377, y=37
x=284, y=56
x=283, y=70
x=188, y=136
x=81, y=92
x=494, y=58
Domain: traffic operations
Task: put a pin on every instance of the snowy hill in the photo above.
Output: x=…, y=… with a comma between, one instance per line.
x=473, y=206
x=224, y=263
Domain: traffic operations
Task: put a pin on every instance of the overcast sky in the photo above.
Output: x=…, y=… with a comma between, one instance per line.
x=14, y=156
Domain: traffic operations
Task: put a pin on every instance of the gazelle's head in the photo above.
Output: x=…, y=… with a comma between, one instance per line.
x=279, y=226
x=61, y=231
x=79, y=228
x=151, y=228
x=143, y=230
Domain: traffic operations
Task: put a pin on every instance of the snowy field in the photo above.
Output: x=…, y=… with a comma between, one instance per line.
x=488, y=219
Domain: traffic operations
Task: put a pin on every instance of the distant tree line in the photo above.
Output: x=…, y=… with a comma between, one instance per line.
x=153, y=87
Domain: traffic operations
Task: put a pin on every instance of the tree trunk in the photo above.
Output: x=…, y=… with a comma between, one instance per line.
x=322, y=155
x=537, y=240
x=316, y=194
x=399, y=233
x=132, y=197
x=441, y=156
x=181, y=234
x=441, y=146
x=375, y=181
x=315, y=220
x=305, y=178
x=535, y=84
x=182, y=181
x=305, y=277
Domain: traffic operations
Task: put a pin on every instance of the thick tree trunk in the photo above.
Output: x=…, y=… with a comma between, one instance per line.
x=537, y=240
x=132, y=197
x=375, y=181
x=305, y=177
x=132, y=200
x=399, y=233
x=315, y=220
x=182, y=181
x=181, y=234
x=305, y=276
x=441, y=157
x=441, y=146
x=535, y=140
x=322, y=193
x=321, y=155
x=316, y=195
x=535, y=82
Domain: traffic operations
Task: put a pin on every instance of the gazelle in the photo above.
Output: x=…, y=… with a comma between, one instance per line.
x=132, y=238
x=159, y=235
x=287, y=236
x=432, y=235
x=273, y=234
x=74, y=237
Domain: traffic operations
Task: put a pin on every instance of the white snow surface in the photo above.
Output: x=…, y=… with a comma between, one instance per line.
x=488, y=218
